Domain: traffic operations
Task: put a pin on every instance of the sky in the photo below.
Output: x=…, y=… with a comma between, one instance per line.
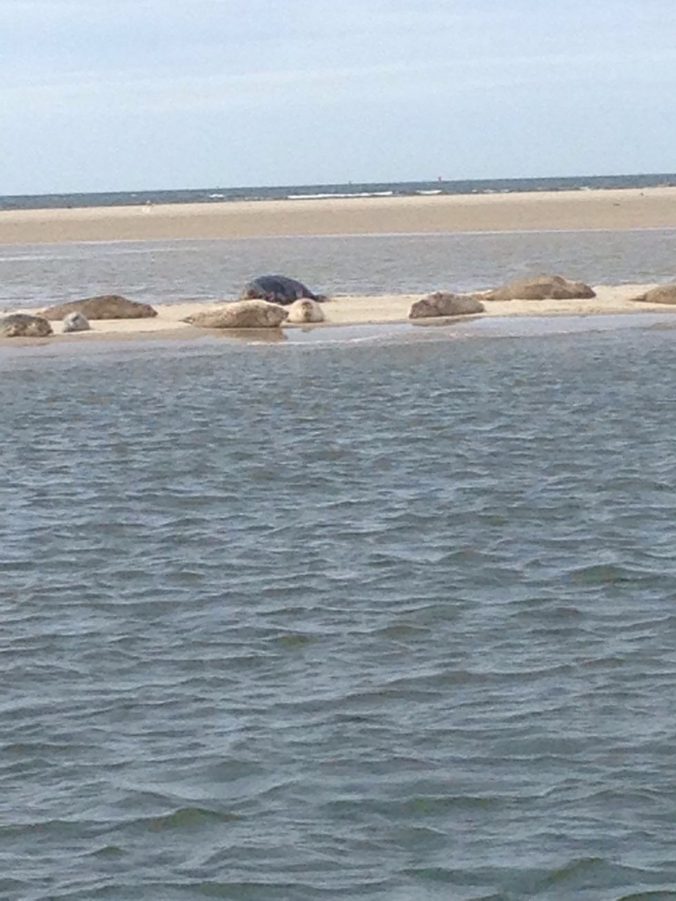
x=106, y=95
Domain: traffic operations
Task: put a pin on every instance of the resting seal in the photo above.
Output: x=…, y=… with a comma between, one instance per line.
x=104, y=306
x=21, y=325
x=75, y=322
x=543, y=287
x=661, y=294
x=241, y=314
x=444, y=303
x=277, y=289
x=305, y=310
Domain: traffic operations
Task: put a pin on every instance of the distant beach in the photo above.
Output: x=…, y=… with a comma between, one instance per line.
x=613, y=209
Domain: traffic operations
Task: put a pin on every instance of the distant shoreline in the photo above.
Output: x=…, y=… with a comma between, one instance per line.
x=351, y=189
x=602, y=209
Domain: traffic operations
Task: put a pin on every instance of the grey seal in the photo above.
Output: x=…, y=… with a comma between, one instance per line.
x=103, y=306
x=21, y=325
x=542, y=287
x=661, y=294
x=444, y=303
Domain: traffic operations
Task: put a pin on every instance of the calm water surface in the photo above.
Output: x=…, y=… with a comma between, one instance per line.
x=171, y=271
x=388, y=621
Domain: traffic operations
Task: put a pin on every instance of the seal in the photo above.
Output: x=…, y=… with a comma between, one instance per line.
x=542, y=287
x=278, y=289
x=75, y=322
x=103, y=306
x=241, y=314
x=22, y=325
x=445, y=303
x=305, y=310
x=661, y=294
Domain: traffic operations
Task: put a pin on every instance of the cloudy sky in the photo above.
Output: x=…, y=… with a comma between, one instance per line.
x=132, y=94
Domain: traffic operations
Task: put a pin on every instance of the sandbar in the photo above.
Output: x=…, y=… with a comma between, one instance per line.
x=613, y=209
x=359, y=310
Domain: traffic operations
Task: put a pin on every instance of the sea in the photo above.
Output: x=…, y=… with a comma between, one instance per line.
x=440, y=185
x=373, y=613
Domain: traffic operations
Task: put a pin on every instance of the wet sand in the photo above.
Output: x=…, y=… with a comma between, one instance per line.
x=628, y=208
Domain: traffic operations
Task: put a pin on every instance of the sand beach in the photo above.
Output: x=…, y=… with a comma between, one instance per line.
x=611, y=210
x=626, y=208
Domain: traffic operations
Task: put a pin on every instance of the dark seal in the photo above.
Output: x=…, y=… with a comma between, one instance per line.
x=277, y=289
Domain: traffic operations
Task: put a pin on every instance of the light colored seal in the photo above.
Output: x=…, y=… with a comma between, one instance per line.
x=241, y=314
x=75, y=322
x=305, y=310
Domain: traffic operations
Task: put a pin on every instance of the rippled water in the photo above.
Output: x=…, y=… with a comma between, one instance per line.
x=166, y=271
x=392, y=620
